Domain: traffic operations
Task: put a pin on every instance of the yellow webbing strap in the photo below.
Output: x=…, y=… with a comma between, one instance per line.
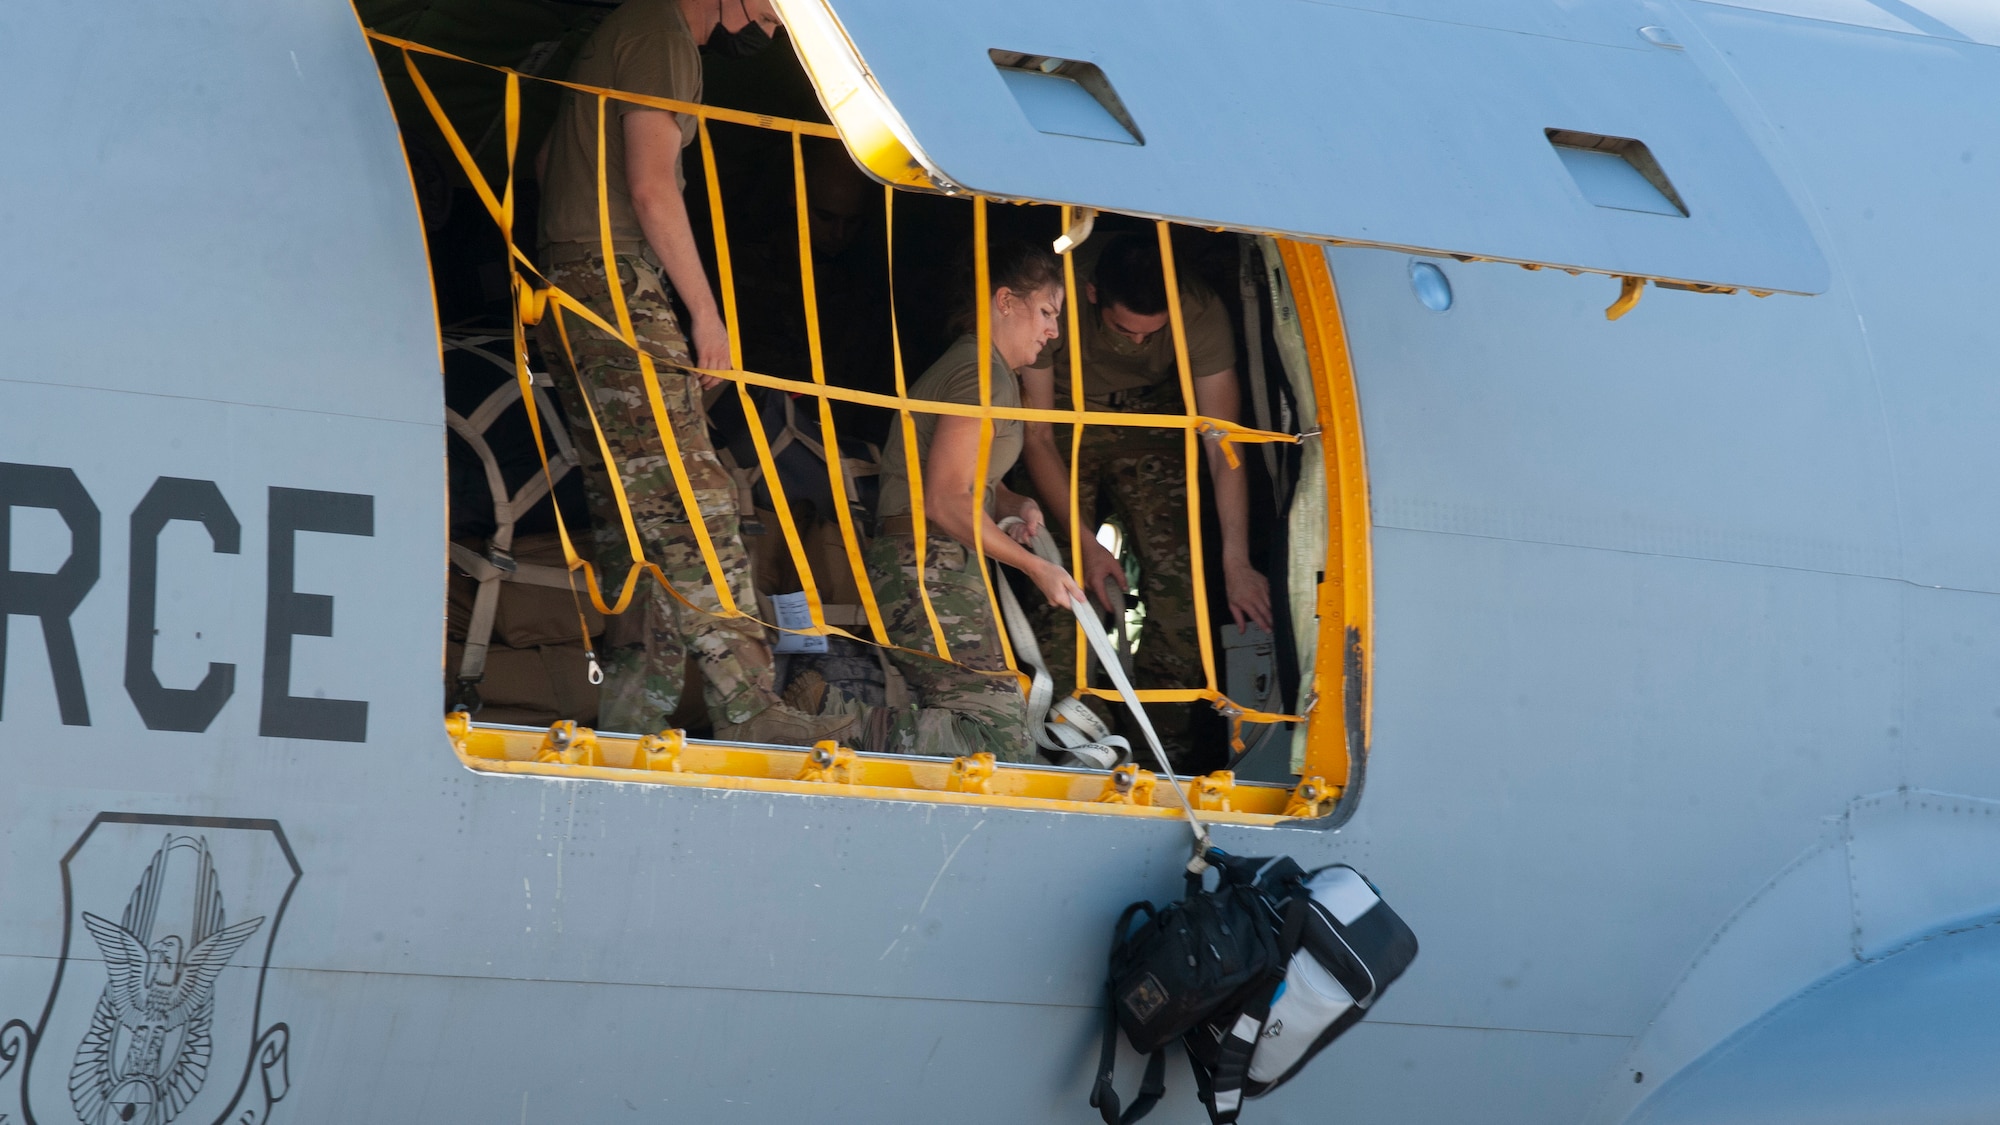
x=1234, y=431
x=829, y=439
x=1070, y=298
x=500, y=207
x=912, y=462
x=690, y=504
x=513, y=122
x=982, y=303
x=1197, y=572
x=501, y=215
x=530, y=298
x=726, y=276
x=640, y=565
x=695, y=109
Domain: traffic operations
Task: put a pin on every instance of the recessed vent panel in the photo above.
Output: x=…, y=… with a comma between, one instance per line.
x=1066, y=98
x=1617, y=172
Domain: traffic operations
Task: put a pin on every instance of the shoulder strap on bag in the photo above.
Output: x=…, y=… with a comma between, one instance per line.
x=1153, y=1083
x=1221, y=1087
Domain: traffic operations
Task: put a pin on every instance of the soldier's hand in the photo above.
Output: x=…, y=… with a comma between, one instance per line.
x=1249, y=594
x=1101, y=572
x=1030, y=515
x=711, y=347
x=1056, y=584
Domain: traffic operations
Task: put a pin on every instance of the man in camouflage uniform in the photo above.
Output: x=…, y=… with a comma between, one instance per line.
x=1129, y=364
x=650, y=47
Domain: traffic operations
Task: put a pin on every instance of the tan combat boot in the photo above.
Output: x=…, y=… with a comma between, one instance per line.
x=784, y=725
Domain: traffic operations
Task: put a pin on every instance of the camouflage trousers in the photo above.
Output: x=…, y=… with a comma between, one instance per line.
x=962, y=708
x=647, y=647
x=1146, y=484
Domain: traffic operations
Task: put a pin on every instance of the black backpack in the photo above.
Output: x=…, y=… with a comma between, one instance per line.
x=1255, y=977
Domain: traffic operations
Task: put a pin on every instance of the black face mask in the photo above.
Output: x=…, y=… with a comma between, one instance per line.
x=727, y=44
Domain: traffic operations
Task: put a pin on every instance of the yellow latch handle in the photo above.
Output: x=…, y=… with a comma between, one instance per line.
x=1630, y=289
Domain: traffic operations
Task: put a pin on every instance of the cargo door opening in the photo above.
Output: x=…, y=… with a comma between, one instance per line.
x=504, y=544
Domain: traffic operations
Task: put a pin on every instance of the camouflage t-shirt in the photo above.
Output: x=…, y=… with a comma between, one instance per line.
x=645, y=48
x=953, y=378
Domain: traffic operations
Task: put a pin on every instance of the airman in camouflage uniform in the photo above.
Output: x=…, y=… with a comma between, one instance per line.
x=649, y=645
x=1130, y=363
x=647, y=47
x=973, y=703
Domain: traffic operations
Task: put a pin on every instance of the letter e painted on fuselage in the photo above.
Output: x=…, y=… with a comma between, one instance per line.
x=288, y=613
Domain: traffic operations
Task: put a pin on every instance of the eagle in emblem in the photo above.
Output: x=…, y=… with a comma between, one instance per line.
x=146, y=1054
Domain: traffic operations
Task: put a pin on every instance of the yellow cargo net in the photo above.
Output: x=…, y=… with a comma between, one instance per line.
x=537, y=297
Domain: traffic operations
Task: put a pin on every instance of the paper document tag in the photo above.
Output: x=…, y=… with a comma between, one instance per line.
x=793, y=614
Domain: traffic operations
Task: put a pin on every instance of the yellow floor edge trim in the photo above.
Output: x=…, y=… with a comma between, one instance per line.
x=828, y=770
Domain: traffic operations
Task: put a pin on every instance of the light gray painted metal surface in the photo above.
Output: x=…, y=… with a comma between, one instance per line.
x=1871, y=889
x=1908, y=1038
x=1657, y=626
x=1970, y=21
x=1421, y=127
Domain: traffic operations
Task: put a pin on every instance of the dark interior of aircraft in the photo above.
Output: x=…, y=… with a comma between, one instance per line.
x=535, y=668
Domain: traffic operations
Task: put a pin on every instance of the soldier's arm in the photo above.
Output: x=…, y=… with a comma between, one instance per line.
x=952, y=501
x=652, y=173
x=1215, y=396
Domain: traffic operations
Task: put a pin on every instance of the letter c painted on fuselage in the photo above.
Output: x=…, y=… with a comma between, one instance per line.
x=161, y=707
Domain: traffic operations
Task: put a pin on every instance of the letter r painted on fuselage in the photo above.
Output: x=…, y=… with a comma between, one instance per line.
x=51, y=597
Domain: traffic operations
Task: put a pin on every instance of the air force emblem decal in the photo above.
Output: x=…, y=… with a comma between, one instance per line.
x=157, y=1008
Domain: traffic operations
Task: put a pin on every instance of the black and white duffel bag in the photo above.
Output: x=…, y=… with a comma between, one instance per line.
x=1255, y=977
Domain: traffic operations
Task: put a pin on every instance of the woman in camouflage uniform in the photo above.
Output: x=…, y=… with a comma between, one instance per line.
x=972, y=702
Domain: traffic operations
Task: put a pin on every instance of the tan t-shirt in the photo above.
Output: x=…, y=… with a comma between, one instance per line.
x=645, y=48
x=1115, y=369
x=953, y=378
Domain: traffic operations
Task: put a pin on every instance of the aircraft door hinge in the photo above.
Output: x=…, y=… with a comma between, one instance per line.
x=1128, y=785
x=971, y=774
x=1212, y=793
x=662, y=751
x=829, y=761
x=568, y=744
x=1313, y=798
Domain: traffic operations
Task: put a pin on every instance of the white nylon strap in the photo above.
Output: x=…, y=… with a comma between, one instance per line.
x=1042, y=689
x=1101, y=644
x=1063, y=726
